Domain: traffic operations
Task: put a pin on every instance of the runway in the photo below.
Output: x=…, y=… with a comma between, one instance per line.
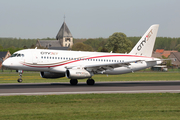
x=82, y=88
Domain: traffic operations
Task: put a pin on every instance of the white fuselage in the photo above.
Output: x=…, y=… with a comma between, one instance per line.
x=57, y=61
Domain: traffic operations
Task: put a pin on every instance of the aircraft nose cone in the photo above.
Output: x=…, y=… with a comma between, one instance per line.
x=5, y=63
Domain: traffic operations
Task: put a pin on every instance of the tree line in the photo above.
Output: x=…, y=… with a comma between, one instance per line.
x=117, y=42
x=166, y=43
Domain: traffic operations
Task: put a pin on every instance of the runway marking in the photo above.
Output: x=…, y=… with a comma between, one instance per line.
x=90, y=92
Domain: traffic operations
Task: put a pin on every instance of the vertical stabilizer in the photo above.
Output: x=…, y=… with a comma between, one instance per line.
x=145, y=45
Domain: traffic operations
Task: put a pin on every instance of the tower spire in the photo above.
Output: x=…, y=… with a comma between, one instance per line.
x=64, y=17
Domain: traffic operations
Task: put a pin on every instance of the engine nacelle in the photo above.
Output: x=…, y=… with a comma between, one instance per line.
x=78, y=74
x=51, y=75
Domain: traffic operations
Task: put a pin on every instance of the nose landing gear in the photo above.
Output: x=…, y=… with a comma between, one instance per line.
x=20, y=76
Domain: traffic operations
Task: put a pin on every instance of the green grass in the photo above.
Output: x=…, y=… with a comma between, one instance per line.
x=158, y=106
x=154, y=106
x=34, y=77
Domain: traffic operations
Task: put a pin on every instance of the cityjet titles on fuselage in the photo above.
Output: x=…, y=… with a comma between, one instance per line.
x=49, y=53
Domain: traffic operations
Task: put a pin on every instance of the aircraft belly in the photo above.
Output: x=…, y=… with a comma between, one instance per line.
x=57, y=69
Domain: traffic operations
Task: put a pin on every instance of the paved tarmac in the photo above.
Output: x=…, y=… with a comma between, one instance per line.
x=82, y=88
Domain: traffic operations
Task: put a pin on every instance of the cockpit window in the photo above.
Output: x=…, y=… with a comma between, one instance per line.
x=17, y=55
x=14, y=55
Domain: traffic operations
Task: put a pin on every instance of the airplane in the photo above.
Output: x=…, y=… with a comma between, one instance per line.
x=80, y=65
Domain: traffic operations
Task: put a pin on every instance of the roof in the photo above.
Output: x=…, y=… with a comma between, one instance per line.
x=177, y=55
x=63, y=32
x=159, y=50
x=3, y=54
x=157, y=55
x=59, y=48
x=49, y=43
x=1, y=60
x=167, y=53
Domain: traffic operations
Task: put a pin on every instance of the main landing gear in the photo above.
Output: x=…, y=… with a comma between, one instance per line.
x=89, y=81
x=20, y=76
x=73, y=81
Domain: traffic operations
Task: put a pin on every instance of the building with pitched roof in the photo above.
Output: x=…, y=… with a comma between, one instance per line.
x=163, y=52
x=64, y=40
x=48, y=43
x=168, y=52
x=64, y=36
x=156, y=55
x=159, y=51
x=3, y=57
x=175, y=56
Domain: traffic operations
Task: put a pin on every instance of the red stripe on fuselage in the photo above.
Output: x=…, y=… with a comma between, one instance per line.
x=86, y=58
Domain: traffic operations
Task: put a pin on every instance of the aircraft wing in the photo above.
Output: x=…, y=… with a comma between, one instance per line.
x=103, y=67
x=110, y=65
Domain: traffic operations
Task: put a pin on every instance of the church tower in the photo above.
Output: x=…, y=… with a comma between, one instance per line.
x=64, y=36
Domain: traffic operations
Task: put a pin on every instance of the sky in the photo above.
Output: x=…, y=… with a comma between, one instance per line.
x=88, y=18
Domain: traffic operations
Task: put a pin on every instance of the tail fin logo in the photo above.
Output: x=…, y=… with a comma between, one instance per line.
x=145, y=40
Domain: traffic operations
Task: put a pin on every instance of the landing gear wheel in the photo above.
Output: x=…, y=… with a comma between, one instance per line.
x=20, y=76
x=73, y=81
x=90, y=82
x=19, y=80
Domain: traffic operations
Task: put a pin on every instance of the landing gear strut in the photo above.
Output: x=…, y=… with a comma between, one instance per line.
x=20, y=76
x=90, y=81
x=73, y=81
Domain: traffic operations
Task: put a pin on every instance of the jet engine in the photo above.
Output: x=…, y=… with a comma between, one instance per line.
x=51, y=75
x=78, y=74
